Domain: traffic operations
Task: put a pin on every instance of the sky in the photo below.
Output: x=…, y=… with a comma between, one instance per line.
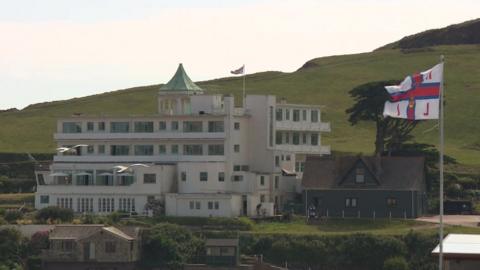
x=59, y=49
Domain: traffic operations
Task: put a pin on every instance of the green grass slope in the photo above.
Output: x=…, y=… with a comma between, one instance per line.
x=463, y=33
x=324, y=81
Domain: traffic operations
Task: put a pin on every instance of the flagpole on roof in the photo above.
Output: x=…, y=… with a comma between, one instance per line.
x=244, y=95
x=441, y=118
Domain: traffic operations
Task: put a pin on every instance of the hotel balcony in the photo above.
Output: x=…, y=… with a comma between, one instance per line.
x=302, y=126
x=140, y=136
x=138, y=159
x=307, y=149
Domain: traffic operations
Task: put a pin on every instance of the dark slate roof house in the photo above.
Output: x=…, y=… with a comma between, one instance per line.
x=359, y=186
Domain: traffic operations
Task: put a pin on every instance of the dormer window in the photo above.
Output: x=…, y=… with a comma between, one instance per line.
x=360, y=176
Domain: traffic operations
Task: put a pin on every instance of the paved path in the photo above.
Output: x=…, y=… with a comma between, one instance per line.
x=463, y=220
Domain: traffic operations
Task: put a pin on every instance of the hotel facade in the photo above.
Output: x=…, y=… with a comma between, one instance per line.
x=205, y=156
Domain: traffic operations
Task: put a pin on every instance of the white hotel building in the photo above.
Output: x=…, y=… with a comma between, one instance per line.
x=206, y=157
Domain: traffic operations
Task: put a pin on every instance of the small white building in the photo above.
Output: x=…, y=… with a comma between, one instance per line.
x=206, y=157
x=460, y=252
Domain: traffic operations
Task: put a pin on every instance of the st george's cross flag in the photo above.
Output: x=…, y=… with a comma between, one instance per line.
x=241, y=70
x=416, y=97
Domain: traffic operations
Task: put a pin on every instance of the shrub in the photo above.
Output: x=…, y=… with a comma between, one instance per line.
x=170, y=246
x=54, y=213
x=12, y=215
x=395, y=263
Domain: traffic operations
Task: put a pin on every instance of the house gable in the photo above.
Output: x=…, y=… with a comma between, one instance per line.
x=359, y=175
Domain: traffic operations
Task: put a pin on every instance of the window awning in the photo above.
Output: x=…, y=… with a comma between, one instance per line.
x=83, y=174
x=59, y=174
x=105, y=174
x=286, y=172
x=124, y=174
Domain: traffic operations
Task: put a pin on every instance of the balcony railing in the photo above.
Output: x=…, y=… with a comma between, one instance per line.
x=134, y=135
x=302, y=126
x=310, y=149
x=138, y=159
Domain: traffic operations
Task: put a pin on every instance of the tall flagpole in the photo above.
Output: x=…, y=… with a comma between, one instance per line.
x=440, y=255
x=244, y=95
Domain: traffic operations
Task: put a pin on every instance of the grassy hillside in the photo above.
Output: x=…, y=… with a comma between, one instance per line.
x=325, y=81
x=463, y=33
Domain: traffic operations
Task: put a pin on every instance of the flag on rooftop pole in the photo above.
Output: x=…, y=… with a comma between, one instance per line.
x=421, y=97
x=238, y=71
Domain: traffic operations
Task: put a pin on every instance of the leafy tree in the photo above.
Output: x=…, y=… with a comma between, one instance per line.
x=12, y=215
x=395, y=263
x=54, y=213
x=12, y=249
x=169, y=245
x=369, y=102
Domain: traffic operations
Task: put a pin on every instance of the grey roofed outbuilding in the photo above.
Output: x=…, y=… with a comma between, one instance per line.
x=227, y=242
x=457, y=246
x=393, y=173
x=180, y=82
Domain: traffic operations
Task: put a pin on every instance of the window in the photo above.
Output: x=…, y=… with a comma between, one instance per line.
x=278, y=137
x=162, y=125
x=109, y=247
x=119, y=150
x=67, y=245
x=217, y=205
x=101, y=149
x=299, y=166
x=304, y=115
x=296, y=115
x=72, y=127
x=174, y=125
x=236, y=148
x=296, y=138
x=314, y=116
x=183, y=176
x=236, y=125
x=174, y=149
x=89, y=126
x=203, y=176
x=221, y=177
x=90, y=149
x=149, y=178
x=314, y=139
x=392, y=202
x=277, y=181
x=287, y=157
x=198, y=205
x=41, y=179
x=192, y=126
x=245, y=168
x=237, y=168
x=119, y=127
x=215, y=150
x=44, y=199
x=270, y=127
x=287, y=138
x=360, y=175
x=287, y=114
x=143, y=150
x=262, y=198
x=238, y=178
x=215, y=126
x=143, y=127
x=262, y=180
x=210, y=205
x=350, y=202
x=304, y=138
x=101, y=126
x=162, y=149
x=279, y=115
x=277, y=161
x=193, y=149
x=192, y=205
